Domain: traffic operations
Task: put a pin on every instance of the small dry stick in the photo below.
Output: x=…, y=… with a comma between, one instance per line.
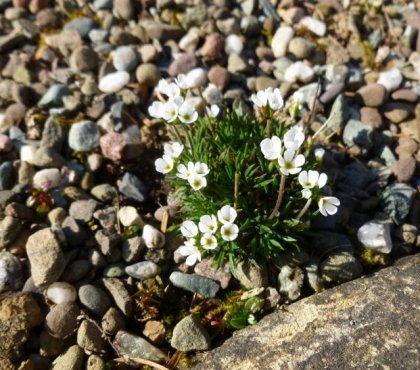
x=279, y=197
x=236, y=191
x=164, y=222
x=141, y=361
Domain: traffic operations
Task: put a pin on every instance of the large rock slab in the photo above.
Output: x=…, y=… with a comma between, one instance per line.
x=372, y=322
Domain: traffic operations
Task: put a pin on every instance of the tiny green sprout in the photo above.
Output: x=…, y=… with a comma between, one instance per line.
x=247, y=183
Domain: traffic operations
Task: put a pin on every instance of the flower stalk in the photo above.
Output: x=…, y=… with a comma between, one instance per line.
x=279, y=199
x=304, y=209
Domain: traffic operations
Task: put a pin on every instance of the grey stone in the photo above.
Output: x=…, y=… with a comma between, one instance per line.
x=338, y=116
x=190, y=335
x=82, y=210
x=84, y=136
x=52, y=135
x=6, y=175
x=340, y=267
x=61, y=321
x=10, y=272
x=133, y=346
x=396, y=200
x=112, y=321
x=195, y=284
x=132, y=249
x=45, y=256
x=143, y=270
x=104, y=192
x=371, y=311
x=251, y=276
x=125, y=58
x=76, y=271
x=54, y=96
x=123, y=9
x=132, y=187
x=94, y=299
x=89, y=337
x=358, y=133
x=81, y=25
x=95, y=362
x=120, y=294
x=290, y=282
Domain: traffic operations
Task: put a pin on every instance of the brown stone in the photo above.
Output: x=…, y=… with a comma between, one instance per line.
x=406, y=146
x=112, y=146
x=397, y=112
x=405, y=95
x=404, y=168
x=372, y=95
x=347, y=327
x=213, y=46
x=154, y=331
x=371, y=116
x=219, y=76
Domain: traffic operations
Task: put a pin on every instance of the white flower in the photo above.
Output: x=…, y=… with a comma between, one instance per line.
x=208, y=224
x=208, y=241
x=182, y=81
x=294, y=138
x=187, y=112
x=164, y=164
x=213, y=110
x=229, y=232
x=289, y=164
x=309, y=179
x=271, y=148
x=170, y=111
x=328, y=205
x=197, y=181
x=156, y=109
x=227, y=214
x=185, y=172
x=189, y=229
x=190, y=250
x=260, y=98
x=171, y=90
x=319, y=153
x=275, y=100
x=201, y=169
x=173, y=150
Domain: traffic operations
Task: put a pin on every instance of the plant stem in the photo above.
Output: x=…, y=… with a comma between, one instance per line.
x=177, y=134
x=268, y=129
x=279, y=197
x=236, y=191
x=304, y=209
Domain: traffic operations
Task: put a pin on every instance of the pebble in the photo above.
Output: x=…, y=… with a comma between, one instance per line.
x=298, y=71
x=407, y=233
x=314, y=25
x=82, y=210
x=108, y=240
x=119, y=294
x=271, y=298
x=143, y=270
x=371, y=116
x=154, y=331
x=89, y=337
x=114, y=82
x=407, y=146
x=148, y=53
x=6, y=175
x=301, y=48
x=9, y=228
x=61, y=292
x=358, y=133
x=83, y=59
x=197, y=78
x=6, y=144
x=94, y=299
x=123, y=9
x=371, y=95
x=124, y=58
x=390, y=79
x=153, y=238
x=219, y=76
x=396, y=200
x=404, y=168
x=72, y=358
x=190, y=335
x=290, y=282
x=45, y=256
x=195, y=284
x=133, y=346
x=112, y=146
x=129, y=216
x=251, y=276
x=61, y=321
x=148, y=74
x=237, y=64
x=132, y=187
x=406, y=95
x=281, y=39
x=222, y=275
x=340, y=267
x=11, y=277
x=132, y=249
x=95, y=362
x=114, y=270
x=182, y=64
x=233, y=44
x=104, y=192
x=84, y=136
x=397, y=112
x=112, y=321
x=54, y=96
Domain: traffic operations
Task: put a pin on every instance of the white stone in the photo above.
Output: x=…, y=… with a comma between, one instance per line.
x=299, y=71
x=61, y=292
x=233, y=44
x=47, y=179
x=281, y=40
x=390, y=79
x=114, y=82
x=129, y=216
x=190, y=40
x=153, y=238
x=197, y=77
x=124, y=58
x=376, y=235
x=28, y=154
x=314, y=25
x=143, y=270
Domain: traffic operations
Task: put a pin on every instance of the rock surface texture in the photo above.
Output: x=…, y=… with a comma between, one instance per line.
x=369, y=323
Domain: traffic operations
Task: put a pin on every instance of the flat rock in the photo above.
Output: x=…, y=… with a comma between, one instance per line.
x=371, y=311
x=120, y=295
x=195, y=284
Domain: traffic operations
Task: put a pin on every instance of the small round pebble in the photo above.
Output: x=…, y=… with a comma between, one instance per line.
x=114, y=82
x=61, y=292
